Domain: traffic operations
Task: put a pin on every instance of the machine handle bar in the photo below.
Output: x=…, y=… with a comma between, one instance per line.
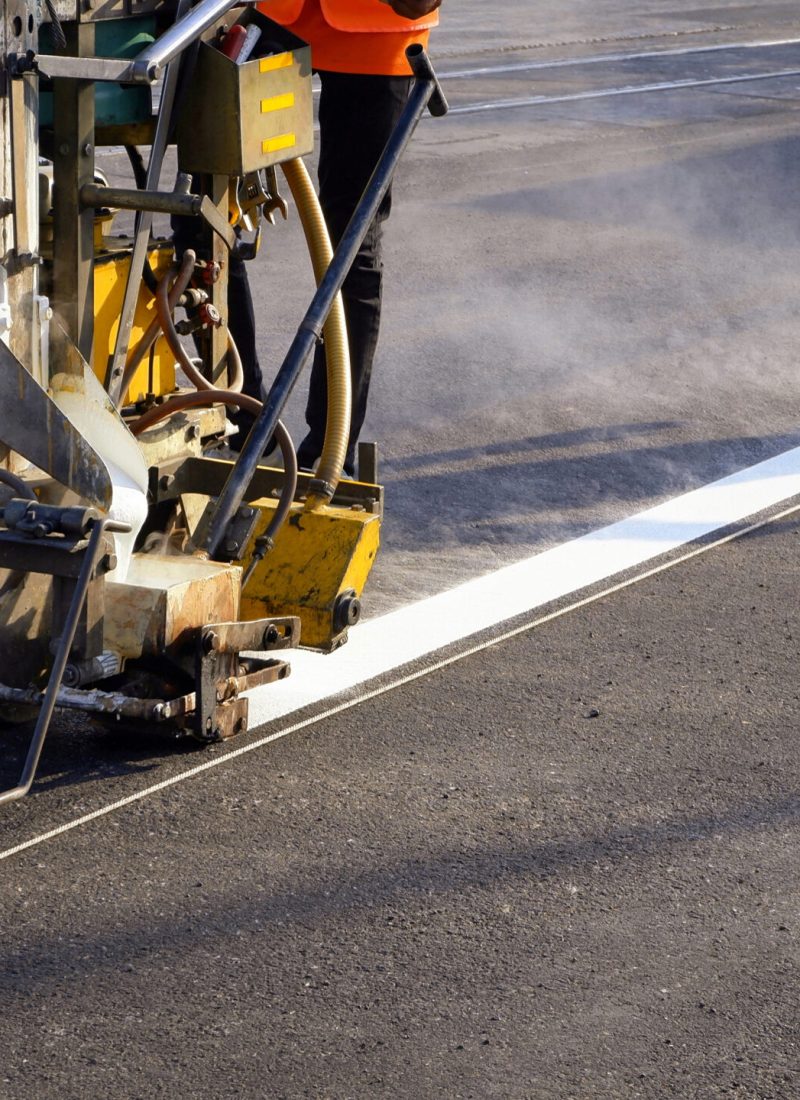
x=145, y=67
x=425, y=90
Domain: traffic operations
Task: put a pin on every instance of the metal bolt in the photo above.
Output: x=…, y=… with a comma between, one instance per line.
x=231, y=546
x=271, y=636
x=166, y=481
x=107, y=563
x=347, y=612
x=193, y=432
x=87, y=149
x=210, y=642
x=71, y=677
x=158, y=712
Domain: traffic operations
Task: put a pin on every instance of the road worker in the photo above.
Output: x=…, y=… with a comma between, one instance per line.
x=358, y=49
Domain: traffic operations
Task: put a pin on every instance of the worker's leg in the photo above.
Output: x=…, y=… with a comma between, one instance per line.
x=357, y=115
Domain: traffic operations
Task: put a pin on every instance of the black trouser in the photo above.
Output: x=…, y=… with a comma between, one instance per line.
x=357, y=115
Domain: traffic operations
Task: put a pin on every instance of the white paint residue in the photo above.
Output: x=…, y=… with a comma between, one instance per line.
x=782, y=476
x=128, y=505
x=381, y=645
x=84, y=401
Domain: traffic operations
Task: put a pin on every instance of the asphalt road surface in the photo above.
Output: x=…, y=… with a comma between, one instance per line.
x=563, y=866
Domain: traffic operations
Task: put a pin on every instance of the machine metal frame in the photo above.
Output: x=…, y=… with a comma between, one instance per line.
x=181, y=629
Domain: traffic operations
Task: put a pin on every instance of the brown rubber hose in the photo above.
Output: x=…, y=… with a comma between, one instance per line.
x=182, y=278
x=204, y=398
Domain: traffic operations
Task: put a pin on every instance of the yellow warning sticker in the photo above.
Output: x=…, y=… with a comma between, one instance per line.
x=277, y=61
x=282, y=141
x=277, y=103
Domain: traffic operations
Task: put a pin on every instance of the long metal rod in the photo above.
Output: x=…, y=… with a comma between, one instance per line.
x=425, y=91
x=91, y=555
x=142, y=227
x=95, y=701
x=131, y=198
x=159, y=202
x=146, y=66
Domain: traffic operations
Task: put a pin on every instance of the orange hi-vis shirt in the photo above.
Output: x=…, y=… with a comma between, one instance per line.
x=352, y=36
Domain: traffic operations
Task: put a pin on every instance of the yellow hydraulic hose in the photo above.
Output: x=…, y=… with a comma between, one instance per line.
x=337, y=353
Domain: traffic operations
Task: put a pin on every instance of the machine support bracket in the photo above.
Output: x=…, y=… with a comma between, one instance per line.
x=158, y=202
x=91, y=559
x=220, y=712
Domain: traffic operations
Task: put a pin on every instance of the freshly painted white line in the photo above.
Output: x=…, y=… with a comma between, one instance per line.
x=400, y=681
x=607, y=93
x=386, y=643
x=609, y=58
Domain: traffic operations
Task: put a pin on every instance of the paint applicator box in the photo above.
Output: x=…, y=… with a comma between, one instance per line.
x=238, y=118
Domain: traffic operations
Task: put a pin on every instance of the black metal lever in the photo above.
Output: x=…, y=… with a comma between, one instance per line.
x=425, y=92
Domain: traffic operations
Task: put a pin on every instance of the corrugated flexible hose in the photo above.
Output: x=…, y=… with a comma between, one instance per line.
x=337, y=352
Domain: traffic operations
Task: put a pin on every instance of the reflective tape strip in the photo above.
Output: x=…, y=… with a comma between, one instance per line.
x=277, y=103
x=279, y=61
x=282, y=141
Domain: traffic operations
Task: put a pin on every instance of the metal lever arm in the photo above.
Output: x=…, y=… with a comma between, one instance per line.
x=161, y=202
x=146, y=66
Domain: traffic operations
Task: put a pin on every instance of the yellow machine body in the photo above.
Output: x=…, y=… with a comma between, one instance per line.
x=319, y=556
x=156, y=373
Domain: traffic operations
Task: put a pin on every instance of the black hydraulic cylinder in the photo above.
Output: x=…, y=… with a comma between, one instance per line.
x=425, y=91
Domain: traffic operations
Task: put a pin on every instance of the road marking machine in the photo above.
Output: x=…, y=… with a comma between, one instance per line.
x=142, y=579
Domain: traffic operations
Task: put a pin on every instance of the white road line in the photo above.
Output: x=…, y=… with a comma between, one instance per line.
x=610, y=58
x=381, y=645
x=628, y=89
x=602, y=59
x=394, y=640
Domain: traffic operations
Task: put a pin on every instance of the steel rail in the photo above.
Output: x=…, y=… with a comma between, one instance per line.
x=142, y=226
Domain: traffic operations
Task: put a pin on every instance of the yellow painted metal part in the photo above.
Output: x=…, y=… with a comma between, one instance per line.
x=110, y=273
x=317, y=556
